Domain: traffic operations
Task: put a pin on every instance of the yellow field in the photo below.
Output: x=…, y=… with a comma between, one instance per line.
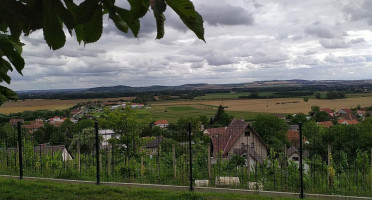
x=283, y=105
x=46, y=104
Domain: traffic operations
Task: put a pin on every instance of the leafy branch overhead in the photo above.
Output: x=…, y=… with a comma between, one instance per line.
x=19, y=17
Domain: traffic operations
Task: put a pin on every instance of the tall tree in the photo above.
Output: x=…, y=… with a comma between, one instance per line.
x=221, y=118
x=272, y=130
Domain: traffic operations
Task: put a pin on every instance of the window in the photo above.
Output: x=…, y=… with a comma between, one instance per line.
x=247, y=133
x=242, y=145
x=295, y=158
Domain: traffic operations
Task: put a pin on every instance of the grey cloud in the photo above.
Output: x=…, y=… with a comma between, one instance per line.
x=339, y=43
x=345, y=60
x=197, y=65
x=324, y=31
x=358, y=10
x=333, y=43
x=220, y=13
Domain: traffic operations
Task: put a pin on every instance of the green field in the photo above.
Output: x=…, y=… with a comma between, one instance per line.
x=27, y=189
x=173, y=112
x=232, y=95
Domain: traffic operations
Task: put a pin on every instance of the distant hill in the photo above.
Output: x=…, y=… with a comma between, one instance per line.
x=122, y=90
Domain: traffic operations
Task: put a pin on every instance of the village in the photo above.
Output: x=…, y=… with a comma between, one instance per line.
x=230, y=144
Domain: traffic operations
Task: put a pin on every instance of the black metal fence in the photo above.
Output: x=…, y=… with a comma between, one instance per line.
x=97, y=155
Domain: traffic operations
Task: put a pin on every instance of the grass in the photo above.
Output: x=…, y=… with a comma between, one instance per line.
x=32, y=189
x=186, y=108
x=232, y=95
x=172, y=111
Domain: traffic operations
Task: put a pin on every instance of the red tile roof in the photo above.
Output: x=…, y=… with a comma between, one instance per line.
x=346, y=110
x=328, y=110
x=15, y=121
x=347, y=122
x=327, y=124
x=157, y=122
x=215, y=131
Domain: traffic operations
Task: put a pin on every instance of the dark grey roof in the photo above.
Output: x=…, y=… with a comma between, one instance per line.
x=154, y=143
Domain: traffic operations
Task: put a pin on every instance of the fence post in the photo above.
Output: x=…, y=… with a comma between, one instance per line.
x=301, y=170
x=174, y=161
x=285, y=160
x=329, y=163
x=97, y=151
x=109, y=160
x=248, y=161
x=142, y=167
x=371, y=159
x=20, y=151
x=209, y=161
x=78, y=154
x=191, y=187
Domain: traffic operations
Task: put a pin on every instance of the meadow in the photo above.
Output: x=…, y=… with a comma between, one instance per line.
x=31, y=189
x=172, y=111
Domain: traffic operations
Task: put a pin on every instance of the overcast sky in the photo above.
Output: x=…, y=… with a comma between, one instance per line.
x=246, y=40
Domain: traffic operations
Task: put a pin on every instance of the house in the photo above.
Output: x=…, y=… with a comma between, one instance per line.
x=139, y=106
x=33, y=126
x=44, y=149
x=114, y=107
x=293, y=137
x=347, y=122
x=75, y=112
x=294, y=127
x=329, y=111
x=345, y=111
x=14, y=121
x=153, y=146
x=53, y=150
x=293, y=154
x=326, y=124
x=361, y=112
x=348, y=116
x=55, y=119
x=161, y=123
x=106, y=134
x=235, y=139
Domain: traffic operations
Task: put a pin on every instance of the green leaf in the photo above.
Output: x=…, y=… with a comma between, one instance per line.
x=92, y=30
x=160, y=19
x=7, y=48
x=158, y=6
x=3, y=71
x=53, y=32
x=5, y=64
x=79, y=31
x=8, y=93
x=3, y=27
x=119, y=22
x=192, y=19
x=139, y=7
x=133, y=23
x=67, y=18
x=86, y=10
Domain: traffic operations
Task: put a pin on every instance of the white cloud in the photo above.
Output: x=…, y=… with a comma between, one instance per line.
x=247, y=40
